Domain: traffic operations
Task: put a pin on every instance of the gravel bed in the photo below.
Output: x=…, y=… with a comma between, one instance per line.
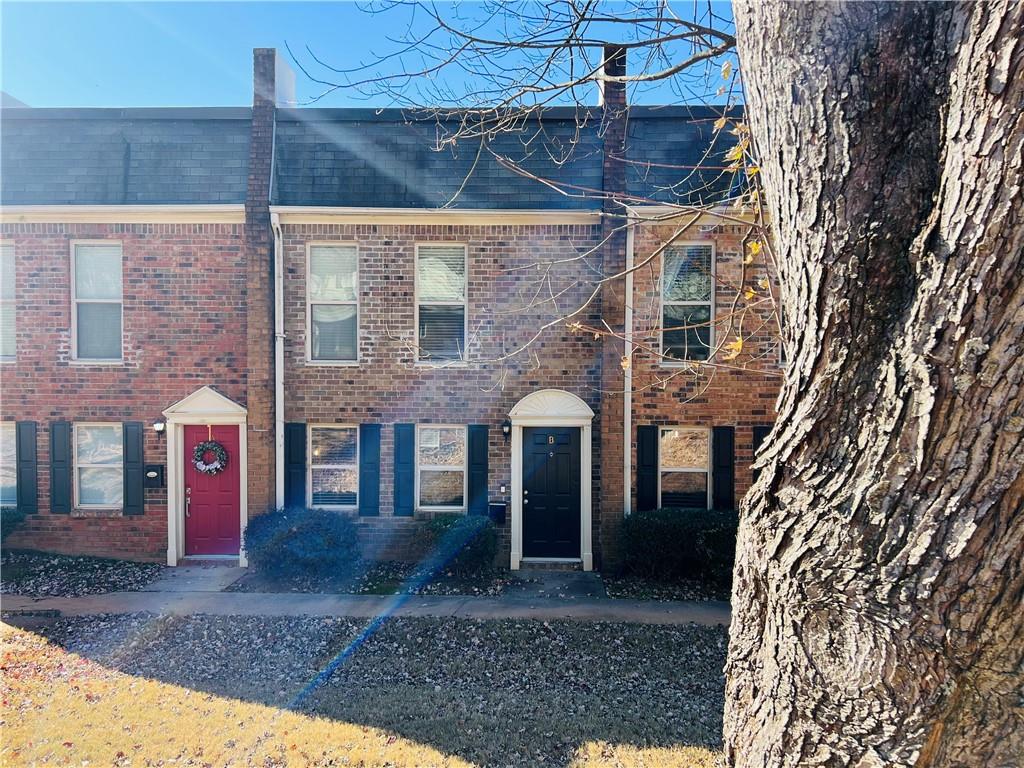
x=37, y=574
x=381, y=578
x=635, y=588
x=509, y=692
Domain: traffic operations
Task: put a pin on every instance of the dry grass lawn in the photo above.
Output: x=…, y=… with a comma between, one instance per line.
x=59, y=708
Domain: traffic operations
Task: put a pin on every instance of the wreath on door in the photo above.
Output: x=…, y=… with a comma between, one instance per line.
x=220, y=457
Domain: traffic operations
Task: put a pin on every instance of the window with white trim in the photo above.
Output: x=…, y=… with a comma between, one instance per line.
x=99, y=467
x=684, y=475
x=441, y=467
x=333, y=303
x=8, y=465
x=687, y=302
x=8, y=310
x=96, y=296
x=441, y=302
x=333, y=467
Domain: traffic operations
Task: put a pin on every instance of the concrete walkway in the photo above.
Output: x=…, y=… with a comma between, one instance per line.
x=709, y=613
x=199, y=589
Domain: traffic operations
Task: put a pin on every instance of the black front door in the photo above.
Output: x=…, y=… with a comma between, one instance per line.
x=551, y=492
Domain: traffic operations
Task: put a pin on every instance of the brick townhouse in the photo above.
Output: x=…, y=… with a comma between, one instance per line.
x=365, y=322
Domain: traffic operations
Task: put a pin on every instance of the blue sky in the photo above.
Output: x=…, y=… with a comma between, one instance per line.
x=181, y=54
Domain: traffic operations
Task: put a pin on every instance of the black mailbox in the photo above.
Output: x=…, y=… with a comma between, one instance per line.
x=496, y=511
x=153, y=477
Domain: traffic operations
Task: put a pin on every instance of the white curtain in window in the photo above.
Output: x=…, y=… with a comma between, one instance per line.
x=333, y=273
x=442, y=273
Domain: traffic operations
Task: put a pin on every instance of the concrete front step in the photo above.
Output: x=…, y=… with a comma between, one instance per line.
x=550, y=565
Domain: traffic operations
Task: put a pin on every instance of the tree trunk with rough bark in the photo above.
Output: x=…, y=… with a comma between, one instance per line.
x=878, y=609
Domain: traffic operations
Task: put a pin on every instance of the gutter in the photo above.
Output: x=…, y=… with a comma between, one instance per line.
x=275, y=224
x=627, y=395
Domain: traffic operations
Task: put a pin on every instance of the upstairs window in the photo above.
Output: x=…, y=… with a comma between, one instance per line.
x=441, y=307
x=7, y=304
x=685, y=458
x=99, y=467
x=96, y=301
x=333, y=299
x=441, y=467
x=687, y=296
x=8, y=465
x=333, y=467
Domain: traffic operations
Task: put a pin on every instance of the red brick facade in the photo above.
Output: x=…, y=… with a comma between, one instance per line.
x=739, y=392
x=198, y=308
x=184, y=327
x=389, y=386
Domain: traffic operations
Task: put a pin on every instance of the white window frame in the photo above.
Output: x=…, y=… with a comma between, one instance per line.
x=668, y=362
x=691, y=470
x=75, y=466
x=464, y=304
x=75, y=302
x=443, y=468
x=310, y=245
x=14, y=302
x=310, y=463
x=13, y=428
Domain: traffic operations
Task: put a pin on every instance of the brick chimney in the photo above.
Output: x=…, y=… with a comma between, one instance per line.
x=613, y=121
x=259, y=253
x=613, y=300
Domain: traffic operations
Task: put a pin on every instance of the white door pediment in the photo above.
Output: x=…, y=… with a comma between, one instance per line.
x=205, y=401
x=551, y=404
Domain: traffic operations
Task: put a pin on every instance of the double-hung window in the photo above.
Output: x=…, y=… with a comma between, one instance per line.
x=333, y=299
x=441, y=302
x=684, y=475
x=99, y=467
x=8, y=310
x=96, y=301
x=8, y=465
x=333, y=467
x=687, y=302
x=441, y=467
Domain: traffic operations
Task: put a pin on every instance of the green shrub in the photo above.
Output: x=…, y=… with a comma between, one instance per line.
x=669, y=544
x=302, y=542
x=10, y=518
x=463, y=544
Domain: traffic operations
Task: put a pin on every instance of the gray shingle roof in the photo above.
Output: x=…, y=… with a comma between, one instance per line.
x=390, y=159
x=673, y=155
x=123, y=156
x=347, y=157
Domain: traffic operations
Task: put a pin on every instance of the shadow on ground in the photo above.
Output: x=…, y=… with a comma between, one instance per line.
x=490, y=692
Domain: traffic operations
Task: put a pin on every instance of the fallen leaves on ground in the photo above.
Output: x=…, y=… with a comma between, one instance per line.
x=199, y=690
x=38, y=574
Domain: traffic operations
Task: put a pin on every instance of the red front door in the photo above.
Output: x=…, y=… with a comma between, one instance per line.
x=212, y=502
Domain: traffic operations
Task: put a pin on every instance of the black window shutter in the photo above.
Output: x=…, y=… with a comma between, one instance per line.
x=477, y=480
x=760, y=434
x=134, y=468
x=295, y=465
x=646, y=467
x=28, y=493
x=405, y=469
x=723, y=468
x=60, y=467
x=369, y=470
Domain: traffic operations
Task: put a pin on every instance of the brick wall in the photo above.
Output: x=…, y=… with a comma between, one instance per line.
x=609, y=505
x=389, y=387
x=184, y=327
x=259, y=278
x=741, y=395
